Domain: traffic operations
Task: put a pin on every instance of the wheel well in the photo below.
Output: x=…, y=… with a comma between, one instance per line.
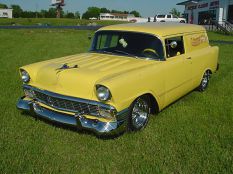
x=153, y=103
x=209, y=71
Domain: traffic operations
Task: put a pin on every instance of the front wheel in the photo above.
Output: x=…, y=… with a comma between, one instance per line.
x=204, y=82
x=140, y=113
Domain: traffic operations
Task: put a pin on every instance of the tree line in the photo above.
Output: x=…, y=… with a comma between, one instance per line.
x=18, y=12
x=95, y=12
x=92, y=12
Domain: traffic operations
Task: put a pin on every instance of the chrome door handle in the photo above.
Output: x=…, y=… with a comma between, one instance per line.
x=189, y=58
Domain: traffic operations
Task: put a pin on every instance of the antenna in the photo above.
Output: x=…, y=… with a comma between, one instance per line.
x=58, y=4
x=36, y=10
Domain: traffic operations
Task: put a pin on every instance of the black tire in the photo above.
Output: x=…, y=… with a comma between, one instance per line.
x=182, y=21
x=139, y=121
x=204, y=82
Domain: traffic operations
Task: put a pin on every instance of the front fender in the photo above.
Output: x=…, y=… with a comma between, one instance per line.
x=126, y=87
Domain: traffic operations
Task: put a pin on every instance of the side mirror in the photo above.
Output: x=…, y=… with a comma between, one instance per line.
x=173, y=44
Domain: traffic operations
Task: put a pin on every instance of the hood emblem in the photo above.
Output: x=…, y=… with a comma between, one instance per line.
x=65, y=67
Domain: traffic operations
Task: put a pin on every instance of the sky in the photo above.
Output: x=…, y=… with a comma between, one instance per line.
x=145, y=7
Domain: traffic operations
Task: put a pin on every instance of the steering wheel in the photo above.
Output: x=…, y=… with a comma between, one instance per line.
x=150, y=53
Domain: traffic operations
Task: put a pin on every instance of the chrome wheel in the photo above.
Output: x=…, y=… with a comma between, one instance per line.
x=139, y=114
x=204, y=81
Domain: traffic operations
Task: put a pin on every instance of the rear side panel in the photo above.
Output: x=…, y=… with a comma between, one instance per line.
x=203, y=56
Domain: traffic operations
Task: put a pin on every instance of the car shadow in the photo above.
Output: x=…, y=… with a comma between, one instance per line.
x=181, y=98
x=70, y=128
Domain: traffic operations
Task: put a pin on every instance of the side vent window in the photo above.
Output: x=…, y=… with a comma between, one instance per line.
x=174, y=46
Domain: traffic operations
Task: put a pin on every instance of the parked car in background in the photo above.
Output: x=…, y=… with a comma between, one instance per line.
x=169, y=18
x=93, y=18
x=131, y=71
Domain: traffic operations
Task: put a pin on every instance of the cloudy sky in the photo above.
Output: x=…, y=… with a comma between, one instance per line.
x=145, y=7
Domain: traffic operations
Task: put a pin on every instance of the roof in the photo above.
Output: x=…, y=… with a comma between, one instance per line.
x=158, y=29
x=187, y=2
x=119, y=14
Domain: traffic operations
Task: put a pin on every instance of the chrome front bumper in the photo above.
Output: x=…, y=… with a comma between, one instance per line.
x=78, y=121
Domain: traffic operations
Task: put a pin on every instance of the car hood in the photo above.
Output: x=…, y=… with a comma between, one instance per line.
x=86, y=70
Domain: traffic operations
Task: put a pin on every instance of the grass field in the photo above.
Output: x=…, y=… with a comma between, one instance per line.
x=194, y=135
x=53, y=21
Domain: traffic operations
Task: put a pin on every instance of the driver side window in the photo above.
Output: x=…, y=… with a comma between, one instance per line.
x=174, y=46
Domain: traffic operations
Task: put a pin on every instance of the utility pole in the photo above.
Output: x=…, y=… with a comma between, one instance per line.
x=36, y=10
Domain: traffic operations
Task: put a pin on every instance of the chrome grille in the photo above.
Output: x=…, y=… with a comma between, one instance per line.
x=67, y=105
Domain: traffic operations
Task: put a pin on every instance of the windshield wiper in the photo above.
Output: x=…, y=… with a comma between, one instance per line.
x=125, y=53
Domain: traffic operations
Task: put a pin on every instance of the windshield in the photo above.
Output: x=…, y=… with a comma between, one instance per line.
x=138, y=45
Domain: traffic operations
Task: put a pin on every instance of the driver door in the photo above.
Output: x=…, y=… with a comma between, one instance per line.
x=177, y=70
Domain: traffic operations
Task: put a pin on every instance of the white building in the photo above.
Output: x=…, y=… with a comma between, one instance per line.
x=6, y=13
x=122, y=17
x=116, y=16
x=202, y=11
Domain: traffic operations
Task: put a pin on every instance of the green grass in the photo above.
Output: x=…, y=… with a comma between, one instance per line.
x=194, y=135
x=54, y=21
x=219, y=36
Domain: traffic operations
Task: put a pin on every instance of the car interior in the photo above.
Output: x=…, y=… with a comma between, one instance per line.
x=177, y=50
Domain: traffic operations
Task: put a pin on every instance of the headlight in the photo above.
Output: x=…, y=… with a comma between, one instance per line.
x=25, y=76
x=103, y=93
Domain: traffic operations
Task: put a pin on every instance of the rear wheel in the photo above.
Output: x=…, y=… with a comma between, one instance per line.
x=204, y=82
x=139, y=114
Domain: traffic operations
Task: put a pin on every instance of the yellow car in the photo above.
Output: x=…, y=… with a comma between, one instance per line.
x=130, y=72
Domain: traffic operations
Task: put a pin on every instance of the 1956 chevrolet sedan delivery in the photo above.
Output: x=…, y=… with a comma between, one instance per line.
x=130, y=72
